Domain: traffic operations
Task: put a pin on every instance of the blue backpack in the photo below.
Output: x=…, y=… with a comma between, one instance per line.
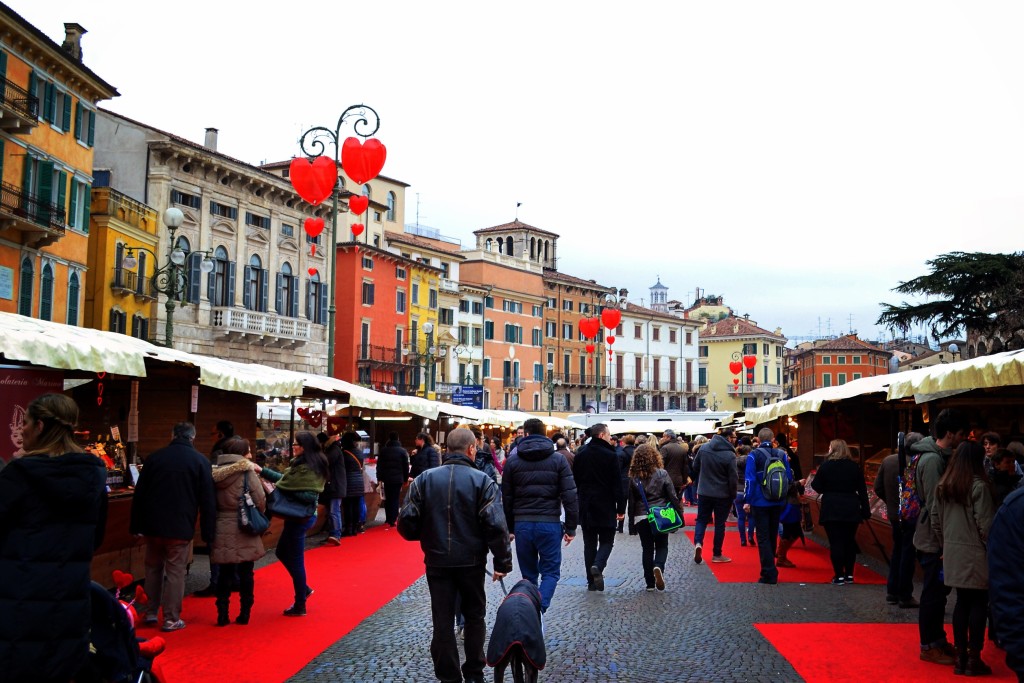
x=774, y=478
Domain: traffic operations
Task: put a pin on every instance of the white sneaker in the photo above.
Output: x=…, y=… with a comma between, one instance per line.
x=698, y=553
x=659, y=578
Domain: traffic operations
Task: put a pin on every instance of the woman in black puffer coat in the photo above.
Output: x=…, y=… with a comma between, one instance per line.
x=53, y=510
x=354, y=483
x=844, y=505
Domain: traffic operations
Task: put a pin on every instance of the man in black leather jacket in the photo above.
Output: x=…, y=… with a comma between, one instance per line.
x=453, y=511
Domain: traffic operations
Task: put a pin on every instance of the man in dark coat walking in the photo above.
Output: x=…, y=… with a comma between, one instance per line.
x=602, y=501
x=715, y=469
x=392, y=472
x=176, y=485
x=337, y=485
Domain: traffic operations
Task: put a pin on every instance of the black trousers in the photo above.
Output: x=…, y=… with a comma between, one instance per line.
x=901, y=570
x=350, y=512
x=597, y=548
x=392, y=492
x=969, y=616
x=766, y=528
x=932, y=613
x=445, y=584
x=842, y=546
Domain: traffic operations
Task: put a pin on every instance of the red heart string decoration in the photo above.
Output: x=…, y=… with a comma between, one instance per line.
x=736, y=381
x=361, y=161
x=610, y=339
x=312, y=250
x=313, y=226
x=749, y=362
x=311, y=271
x=358, y=204
x=611, y=317
x=735, y=367
x=357, y=229
x=590, y=348
x=314, y=181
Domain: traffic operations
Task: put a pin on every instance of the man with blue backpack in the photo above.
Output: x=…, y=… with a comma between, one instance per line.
x=766, y=487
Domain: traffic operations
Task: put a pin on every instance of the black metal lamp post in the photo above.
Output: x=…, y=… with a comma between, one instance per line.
x=549, y=387
x=169, y=279
x=607, y=301
x=314, y=143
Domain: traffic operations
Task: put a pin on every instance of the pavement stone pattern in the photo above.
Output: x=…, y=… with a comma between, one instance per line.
x=696, y=631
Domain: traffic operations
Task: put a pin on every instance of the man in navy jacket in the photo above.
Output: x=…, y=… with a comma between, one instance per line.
x=766, y=512
x=1006, y=592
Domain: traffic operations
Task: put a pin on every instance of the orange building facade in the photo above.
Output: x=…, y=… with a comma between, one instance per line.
x=834, y=362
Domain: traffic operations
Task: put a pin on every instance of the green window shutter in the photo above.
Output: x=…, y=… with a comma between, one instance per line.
x=73, y=210
x=3, y=64
x=87, y=208
x=44, y=193
x=66, y=121
x=51, y=103
x=78, y=122
x=62, y=192
x=33, y=89
x=92, y=128
x=26, y=177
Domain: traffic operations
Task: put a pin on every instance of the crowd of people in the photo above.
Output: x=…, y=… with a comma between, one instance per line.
x=966, y=532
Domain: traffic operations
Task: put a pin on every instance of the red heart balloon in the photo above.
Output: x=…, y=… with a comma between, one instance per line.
x=313, y=181
x=610, y=339
x=358, y=204
x=312, y=250
x=361, y=161
x=357, y=229
x=314, y=226
x=590, y=348
x=735, y=367
x=311, y=271
x=589, y=327
x=611, y=317
x=749, y=361
x=735, y=381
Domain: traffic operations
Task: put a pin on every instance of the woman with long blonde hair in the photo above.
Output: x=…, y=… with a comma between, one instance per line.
x=53, y=509
x=647, y=471
x=844, y=505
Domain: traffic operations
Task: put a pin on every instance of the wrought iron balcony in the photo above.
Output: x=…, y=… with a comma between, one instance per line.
x=384, y=356
x=39, y=222
x=513, y=383
x=129, y=282
x=268, y=328
x=19, y=111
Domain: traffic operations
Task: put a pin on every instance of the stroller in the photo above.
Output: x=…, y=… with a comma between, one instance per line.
x=115, y=656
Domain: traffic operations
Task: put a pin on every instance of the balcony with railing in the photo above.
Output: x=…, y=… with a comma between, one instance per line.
x=40, y=222
x=512, y=383
x=106, y=201
x=130, y=282
x=591, y=380
x=267, y=328
x=383, y=356
x=450, y=286
x=19, y=110
x=754, y=389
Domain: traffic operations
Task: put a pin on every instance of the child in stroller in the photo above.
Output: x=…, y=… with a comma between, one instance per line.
x=116, y=655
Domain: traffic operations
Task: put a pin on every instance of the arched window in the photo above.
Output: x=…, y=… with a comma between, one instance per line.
x=254, y=296
x=73, y=288
x=509, y=246
x=366, y=191
x=221, y=280
x=533, y=247
x=25, y=287
x=316, y=299
x=46, y=294
x=391, y=206
x=488, y=244
x=547, y=250
x=287, y=292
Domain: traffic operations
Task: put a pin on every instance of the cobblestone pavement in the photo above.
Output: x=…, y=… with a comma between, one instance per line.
x=697, y=630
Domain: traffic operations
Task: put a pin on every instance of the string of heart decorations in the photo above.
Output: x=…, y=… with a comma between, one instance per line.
x=590, y=328
x=315, y=181
x=736, y=366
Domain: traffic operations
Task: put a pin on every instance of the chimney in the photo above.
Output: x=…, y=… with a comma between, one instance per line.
x=211, y=139
x=73, y=40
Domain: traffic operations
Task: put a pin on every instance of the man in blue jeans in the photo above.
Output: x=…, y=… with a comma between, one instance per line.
x=536, y=485
x=766, y=512
x=714, y=468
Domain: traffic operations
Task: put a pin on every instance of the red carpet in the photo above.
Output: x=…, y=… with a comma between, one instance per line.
x=351, y=581
x=866, y=652
x=812, y=563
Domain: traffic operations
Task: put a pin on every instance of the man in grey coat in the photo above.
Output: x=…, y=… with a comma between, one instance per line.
x=715, y=470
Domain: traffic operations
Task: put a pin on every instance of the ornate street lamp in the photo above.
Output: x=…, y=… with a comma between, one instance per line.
x=170, y=279
x=314, y=143
x=549, y=387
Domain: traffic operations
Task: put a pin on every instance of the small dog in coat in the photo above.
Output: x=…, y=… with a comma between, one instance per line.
x=517, y=640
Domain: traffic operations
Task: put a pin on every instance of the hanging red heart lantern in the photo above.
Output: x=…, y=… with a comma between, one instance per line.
x=590, y=348
x=736, y=381
x=99, y=400
x=749, y=362
x=610, y=339
x=357, y=229
x=362, y=161
x=358, y=204
x=590, y=327
x=611, y=317
x=313, y=181
x=311, y=271
x=313, y=226
x=735, y=367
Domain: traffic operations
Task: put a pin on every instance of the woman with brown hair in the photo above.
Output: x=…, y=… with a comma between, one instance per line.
x=53, y=510
x=647, y=471
x=963, y=513
x=844, y=505
x=233, y=549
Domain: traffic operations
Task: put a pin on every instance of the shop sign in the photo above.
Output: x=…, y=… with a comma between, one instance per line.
x=6, y=283
x=18, y=387
x=471, y=395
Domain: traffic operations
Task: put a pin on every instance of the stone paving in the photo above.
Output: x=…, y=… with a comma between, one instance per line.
x=697, y=630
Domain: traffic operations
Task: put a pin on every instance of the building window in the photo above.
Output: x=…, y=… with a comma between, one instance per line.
x=826, y=379
x=856, y=375
x=118, y=321
x=566, y=331
x=432, y=298
x=367, y=263
x=638, y=332
x=85, y=124
x=538, y=372
x=478, y=337
x=399, y=273
x=537, y=337
x=702, y=351
x=223, y=210
x=856, y=360
x=566, y=304
x=463, y=334
x=841, y=360
x=415, y=294
x=287, y=230
x=399, y=301
x=184, y=199
x=367, y=293
x=750, y=349
x=538, y=311
x=478, y=308
x=552, y=302
x=489, y=301
x=257, y=221
x=655, y=334
x=841, y=378
x=391, y=206
x=220, y=288
x=487, y=367
x=25, y=284
x=78, y=211
x=510, y=306
x=549, y=328
x=140, y=326
x=316, y=300
x=46, y=294
x=672, y=336
x=446, y=316
x=513, y=333
x=73, y=293
x=702, y=377
x=689, y=338
x=254, y=296
x=489, y=329
x=287, y=298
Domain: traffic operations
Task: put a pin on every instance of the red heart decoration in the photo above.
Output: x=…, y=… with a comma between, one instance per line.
x=610, y=339
x=749, y=362
x=312, y=250
x=99, y=389
x=99, y=400
x=357, y=229
x=589, y=327
x=314, y=226
x=358, y=204
x=361, y=161
x=101, y=375
x=590, y=348
x=312, y=272
x=611, y=317
x=736, y=381
x=735, y=367
x=121, y=579
x=314, y=181
x=140, y=595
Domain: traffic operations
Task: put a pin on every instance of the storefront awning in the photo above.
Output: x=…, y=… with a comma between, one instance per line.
x=985, y=372
x=812, y=400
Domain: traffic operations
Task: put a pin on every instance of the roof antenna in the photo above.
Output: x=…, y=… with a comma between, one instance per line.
x=518, y=204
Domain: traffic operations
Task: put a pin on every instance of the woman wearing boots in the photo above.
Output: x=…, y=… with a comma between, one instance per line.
x=964, y=509
x=844, y=505
x=233, y=549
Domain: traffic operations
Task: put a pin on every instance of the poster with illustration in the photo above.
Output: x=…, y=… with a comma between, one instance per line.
x=18, y=386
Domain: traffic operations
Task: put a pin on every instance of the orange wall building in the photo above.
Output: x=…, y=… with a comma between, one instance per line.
x=834, y=362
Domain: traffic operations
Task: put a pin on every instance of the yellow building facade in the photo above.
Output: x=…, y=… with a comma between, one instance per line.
x=732, y=339
x=424, y=298
x=47, y=129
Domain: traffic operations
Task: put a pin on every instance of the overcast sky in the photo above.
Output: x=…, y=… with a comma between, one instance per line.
x=798, y=158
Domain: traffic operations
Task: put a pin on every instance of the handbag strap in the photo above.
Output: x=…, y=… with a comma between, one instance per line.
x=245, y=482
x=643, y=494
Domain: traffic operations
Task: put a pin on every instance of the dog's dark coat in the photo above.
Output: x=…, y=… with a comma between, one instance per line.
x=517, y=634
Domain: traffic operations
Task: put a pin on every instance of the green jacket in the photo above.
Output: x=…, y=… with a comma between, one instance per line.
x=299, y=482
x=930, y=467
x=962, y=533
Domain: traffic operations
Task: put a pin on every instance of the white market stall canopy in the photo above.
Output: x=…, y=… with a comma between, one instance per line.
x=657, y=427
